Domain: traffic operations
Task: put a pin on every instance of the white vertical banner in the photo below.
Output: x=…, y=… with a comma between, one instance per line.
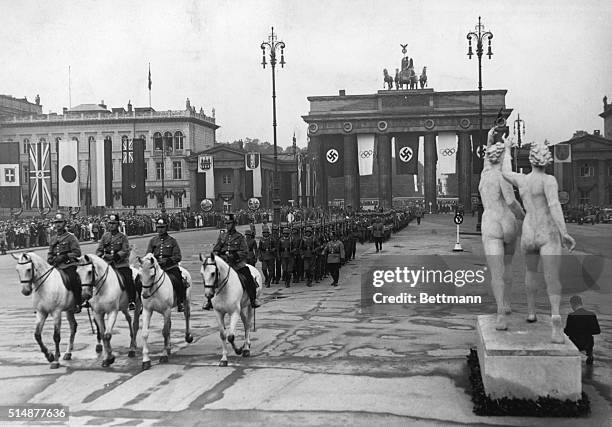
x=252, y=162
x=365, y=153
x=447, y=152
x=68, y=154
x=205, y=165
x=98, y=173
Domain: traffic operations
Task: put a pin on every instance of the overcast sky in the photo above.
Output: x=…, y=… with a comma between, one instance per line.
x=553, y=57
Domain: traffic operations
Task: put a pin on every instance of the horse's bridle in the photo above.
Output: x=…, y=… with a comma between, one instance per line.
x=42, y=278
x=94, y=283
x=216, y=285
x=160, y=281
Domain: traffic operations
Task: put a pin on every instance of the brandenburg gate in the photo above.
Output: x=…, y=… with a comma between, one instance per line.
x=391, y=113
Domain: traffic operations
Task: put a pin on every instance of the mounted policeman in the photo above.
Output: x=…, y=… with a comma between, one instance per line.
x=64, y=251
x=114, y=248
x=232, y=247
x=168, y=254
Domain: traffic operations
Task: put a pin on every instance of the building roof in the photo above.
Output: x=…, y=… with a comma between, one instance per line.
x=84, y=108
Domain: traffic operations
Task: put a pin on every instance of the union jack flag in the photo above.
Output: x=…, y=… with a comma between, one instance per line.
x=40, y=174
x=127, y=151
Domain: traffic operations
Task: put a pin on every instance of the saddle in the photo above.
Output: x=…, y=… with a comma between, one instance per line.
x=121, y=279
x=65, y=279
x=243, y=280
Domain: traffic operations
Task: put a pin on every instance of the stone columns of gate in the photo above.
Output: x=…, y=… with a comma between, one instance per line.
x=320, y=182
x=464, y=171
x=385, y=195
x=431, y=159
x=351, y=173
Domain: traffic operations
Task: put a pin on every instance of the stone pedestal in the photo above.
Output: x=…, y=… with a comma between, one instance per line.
x=522, y=362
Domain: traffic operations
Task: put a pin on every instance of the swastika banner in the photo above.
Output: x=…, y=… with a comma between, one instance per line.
x=407, y=154
x=333, y=153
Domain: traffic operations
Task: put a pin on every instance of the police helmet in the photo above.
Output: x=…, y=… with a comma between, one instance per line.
x=59, y=217
x=113, y=219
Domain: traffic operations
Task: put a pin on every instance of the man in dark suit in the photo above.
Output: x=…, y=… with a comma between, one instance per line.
x=580, y=327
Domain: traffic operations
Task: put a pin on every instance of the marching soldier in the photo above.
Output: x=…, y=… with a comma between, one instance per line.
x=168, y=254
x=2, y=241
x=378, y=230
x=308, y=246
x=287, y=253
x=63, y=253
x=298, y=266
x=334, y=251
x=114, y=248
x=267, y=255
x=251, y=257
x=277, y=260
x=232, y=248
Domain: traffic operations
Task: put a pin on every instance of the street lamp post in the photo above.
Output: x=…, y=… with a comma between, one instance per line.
x=520, y=130
x=272, y=44
x=479, y=37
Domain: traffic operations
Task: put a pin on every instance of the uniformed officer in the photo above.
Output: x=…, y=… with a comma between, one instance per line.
x=114, y=248
x=232, y=248
x=308, y=246
x=298, y=266
x=251, y=257
x=277, y=261
x=2, y=241
x=168, y=254
x=287, y=253
x=64, y=250
x=267, y=255
x=334, y=250
x=378, y=232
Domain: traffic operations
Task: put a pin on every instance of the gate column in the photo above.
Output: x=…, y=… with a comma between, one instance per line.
x=320, y=183
x=431, y=159
x=464, y=173
x=351, y=173
x=385, y=196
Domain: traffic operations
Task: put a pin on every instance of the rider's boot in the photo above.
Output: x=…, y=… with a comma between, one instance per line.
x=208, y=305
x=251, y=289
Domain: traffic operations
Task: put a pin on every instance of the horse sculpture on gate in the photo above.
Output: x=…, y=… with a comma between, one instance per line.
x=102, y=284
x=423, y=78
x=223, y=282
x=158, y=296
x=388, y=80
x=49, y=297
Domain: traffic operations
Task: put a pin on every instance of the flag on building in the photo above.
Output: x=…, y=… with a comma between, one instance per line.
x=334, y=156
x=563, y=153
x=206, y=166
x=308, y=181
x=150, y=81
x=253, y=174
x=132, y=172
x=365, y=153
x=447, y=152
x=10, y=184
x=68, y=155
x=101, y=172
x=407, y=154
x=478, y=152
x=40, y=174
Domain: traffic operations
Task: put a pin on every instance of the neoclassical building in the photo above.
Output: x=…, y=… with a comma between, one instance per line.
x=181, y=132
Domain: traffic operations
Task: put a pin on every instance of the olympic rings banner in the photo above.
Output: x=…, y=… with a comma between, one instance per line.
x=407, y=154
x=333, y=153
x=365, y=153
x=447, y=152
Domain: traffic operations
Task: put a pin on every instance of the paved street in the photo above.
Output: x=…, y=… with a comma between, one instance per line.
x=317, y=357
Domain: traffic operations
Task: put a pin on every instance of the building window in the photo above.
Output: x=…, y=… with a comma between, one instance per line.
x=168, y=141
x=158, y=142
x=584, y=198
x=227, y=179
x=178, y=140
x=177, y=170
x=587, y=170
x=26, y=145
x=144, y=138
x=178, y=201
x=117, y=170
x=159, y=171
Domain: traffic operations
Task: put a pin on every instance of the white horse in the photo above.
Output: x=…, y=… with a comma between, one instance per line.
x=223, y=282
x=49, y=297
x=158, y=296
x=101, y=283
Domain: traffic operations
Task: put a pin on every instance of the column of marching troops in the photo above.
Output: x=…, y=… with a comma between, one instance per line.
x=298, y=252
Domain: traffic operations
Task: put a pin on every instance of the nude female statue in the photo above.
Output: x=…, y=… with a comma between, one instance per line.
x=500, y=227
x=544, y=233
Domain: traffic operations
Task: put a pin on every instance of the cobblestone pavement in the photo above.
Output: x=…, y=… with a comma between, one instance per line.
x=317, y=357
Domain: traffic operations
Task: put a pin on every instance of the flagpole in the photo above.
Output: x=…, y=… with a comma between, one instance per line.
x=69, y=91
x=150, y=84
